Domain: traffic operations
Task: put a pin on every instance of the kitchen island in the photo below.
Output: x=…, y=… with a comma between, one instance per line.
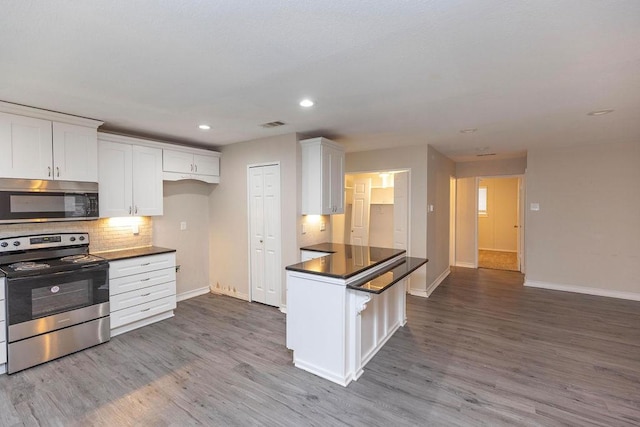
x=343, y=307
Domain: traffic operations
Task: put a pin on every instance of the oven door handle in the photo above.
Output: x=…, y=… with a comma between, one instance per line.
x=84, y=269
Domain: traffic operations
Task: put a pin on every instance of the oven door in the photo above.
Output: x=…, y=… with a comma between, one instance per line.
x=46, y=302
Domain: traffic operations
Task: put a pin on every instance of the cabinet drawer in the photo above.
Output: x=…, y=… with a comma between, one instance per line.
x=142, y=311
x=128, y=267
x=141, y=296
x=142, y=280
x=3, y=353
x=2, y=312
x=2, y=289
x=3, y=333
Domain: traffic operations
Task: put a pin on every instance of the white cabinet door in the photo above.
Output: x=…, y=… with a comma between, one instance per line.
x=147, y=181
x=75, y=152
x=25, y=147
x=206, y=165
x=322, y=177
x=177, y=161
x=115, y=179
x=337, y=181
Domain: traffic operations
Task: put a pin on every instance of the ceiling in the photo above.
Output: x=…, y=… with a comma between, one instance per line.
x=382, y=73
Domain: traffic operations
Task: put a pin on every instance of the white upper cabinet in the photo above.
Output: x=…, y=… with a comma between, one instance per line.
x=322, y=177
x=130, y=178
x=25, y=144
x=38, y=144
x=75, y=152
x=197, y=164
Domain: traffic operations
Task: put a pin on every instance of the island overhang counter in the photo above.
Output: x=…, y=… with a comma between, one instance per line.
x=344, y=306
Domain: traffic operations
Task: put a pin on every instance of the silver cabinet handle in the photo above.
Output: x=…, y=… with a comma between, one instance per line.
x=48, y=170
x=146, y=309
x=57, y=171
x=191, y=167
x=145, y=280
x=196, y=166
x=136, y=211
x=146, y=295
x=130, y=210
x=146, y=263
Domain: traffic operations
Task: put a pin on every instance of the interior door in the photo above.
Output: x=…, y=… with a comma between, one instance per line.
x=264, y=234
x=360, y=212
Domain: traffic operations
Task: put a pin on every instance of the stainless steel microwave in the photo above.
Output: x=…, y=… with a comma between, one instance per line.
x=26, y=200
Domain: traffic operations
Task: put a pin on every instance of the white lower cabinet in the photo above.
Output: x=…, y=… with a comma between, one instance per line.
x=142, y=291
x=3, y=329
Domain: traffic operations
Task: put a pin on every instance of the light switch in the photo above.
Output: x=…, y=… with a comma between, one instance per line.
x=304, y=228
x=430, y=208
x=183, y=225
x=135, y=229
x=322, y=226
x=535, y=206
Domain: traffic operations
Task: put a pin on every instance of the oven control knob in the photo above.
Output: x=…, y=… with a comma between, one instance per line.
x=16, y=243
x=4, y=244
x=73, y=239
x=81, y=238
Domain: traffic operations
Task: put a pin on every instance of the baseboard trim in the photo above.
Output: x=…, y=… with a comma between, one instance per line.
x=229, y=293
x=419, y=293
x=465, y=264
x=283, y=309
x=498, y=250
x=193, y=293
x=432, y=287
x=583, y=290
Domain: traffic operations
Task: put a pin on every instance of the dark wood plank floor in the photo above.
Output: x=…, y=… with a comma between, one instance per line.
x=482, y=350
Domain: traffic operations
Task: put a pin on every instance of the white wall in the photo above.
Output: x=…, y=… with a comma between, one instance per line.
x=186, y=201
x=440, y=170
x=586, y=235
x=466, y=222
x=415, y=159
x=515, y=166
x=228, y=210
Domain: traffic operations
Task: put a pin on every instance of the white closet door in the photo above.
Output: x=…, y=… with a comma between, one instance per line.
x=264, y=232
x=360, y=212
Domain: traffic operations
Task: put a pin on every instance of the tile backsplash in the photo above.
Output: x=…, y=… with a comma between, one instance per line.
x=104, y=234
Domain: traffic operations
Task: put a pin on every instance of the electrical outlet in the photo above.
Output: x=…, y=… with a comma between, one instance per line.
x=304, y=228
x=183, y=225
x=135, y=229
x=322, y=226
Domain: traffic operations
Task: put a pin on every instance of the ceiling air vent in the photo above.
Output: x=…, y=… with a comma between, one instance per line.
x=485, y=154
x=273, y=124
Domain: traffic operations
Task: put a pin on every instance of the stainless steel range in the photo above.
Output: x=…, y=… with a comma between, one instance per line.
x=57, y=297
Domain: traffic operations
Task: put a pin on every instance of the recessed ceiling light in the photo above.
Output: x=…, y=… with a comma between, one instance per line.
x=599, y=112
x=204, y=127
x=306, y=103
x=469, y=130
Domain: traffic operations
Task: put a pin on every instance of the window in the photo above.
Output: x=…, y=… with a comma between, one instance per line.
x=482, y=201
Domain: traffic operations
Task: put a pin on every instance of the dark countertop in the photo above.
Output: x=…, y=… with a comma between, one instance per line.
x=380, y=282
x=344, y=261
x=132, y=253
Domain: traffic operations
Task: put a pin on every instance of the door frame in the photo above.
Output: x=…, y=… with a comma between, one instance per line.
x=408, y=172
x=521, y=217
x=279, y=243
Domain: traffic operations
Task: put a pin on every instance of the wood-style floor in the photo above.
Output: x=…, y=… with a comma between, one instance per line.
x=482, y=350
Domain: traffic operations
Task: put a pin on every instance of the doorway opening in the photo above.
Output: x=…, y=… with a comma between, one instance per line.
x=499, y=224
x=376, y=210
